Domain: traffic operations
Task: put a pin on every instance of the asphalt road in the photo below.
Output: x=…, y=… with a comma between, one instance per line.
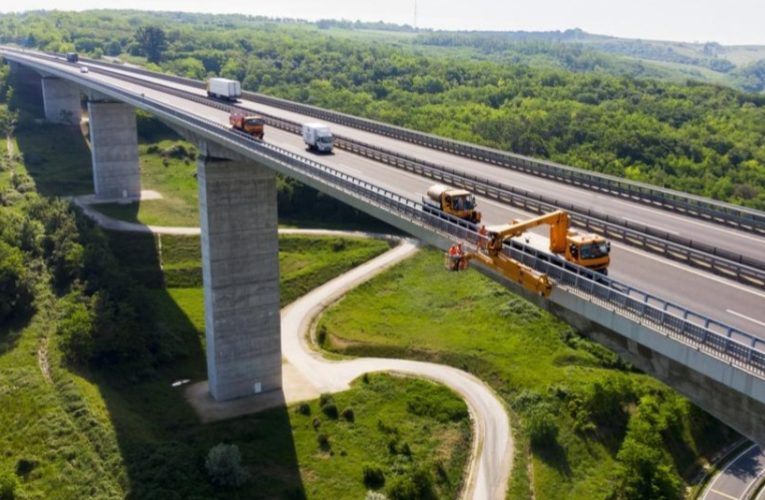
x=718, y=298
x=675, y=224
x=738, y=478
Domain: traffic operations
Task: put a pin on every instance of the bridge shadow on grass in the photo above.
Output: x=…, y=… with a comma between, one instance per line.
x=162, y=442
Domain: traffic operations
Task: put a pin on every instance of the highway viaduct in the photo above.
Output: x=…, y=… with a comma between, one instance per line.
x=648, y=321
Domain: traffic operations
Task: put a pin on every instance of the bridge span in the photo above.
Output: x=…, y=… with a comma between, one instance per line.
x=699, y=332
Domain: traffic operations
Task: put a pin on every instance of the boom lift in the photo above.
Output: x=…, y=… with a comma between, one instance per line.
x=587, y=250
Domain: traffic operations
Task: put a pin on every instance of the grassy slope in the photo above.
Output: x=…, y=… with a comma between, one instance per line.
x=418, y=310
x=106, y=433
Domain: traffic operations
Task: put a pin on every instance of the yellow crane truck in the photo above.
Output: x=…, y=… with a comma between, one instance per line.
x=587, y=250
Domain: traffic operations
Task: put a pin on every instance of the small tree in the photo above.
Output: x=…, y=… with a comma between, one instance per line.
x=224, y=465
x=152, y=41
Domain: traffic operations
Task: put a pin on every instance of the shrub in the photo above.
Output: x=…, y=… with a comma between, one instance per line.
x=8, y=484
x=25, y=466
x=224, y=465
x=330, y=410
x=374, y=477
x=419, y=484
x=304, y=409
x=349, y=415
x=323, y=441
x=540, y=426
x=321, y=335
x=325, y=398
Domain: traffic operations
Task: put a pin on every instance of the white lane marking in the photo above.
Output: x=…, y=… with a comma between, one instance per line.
x=687, y=269
x=652, y=225
x=720, y=474
x=691, y=220
x=743, y=316
x=722, y=494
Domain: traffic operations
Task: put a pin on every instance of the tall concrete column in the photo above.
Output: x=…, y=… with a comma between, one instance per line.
x=240, y=268
x=114, y=149
x=61, y=101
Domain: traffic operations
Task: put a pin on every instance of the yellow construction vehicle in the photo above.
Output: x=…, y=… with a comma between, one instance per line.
x=588, y=250
x=584, y=249
x=457, y=260
x=459, y=203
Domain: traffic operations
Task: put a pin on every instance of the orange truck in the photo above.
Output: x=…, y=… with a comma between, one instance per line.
x=249, y=124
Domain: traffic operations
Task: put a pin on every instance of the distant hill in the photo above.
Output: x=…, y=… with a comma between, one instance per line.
x=740, y=66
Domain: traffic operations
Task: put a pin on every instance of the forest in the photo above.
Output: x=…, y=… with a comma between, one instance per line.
x=695, y=137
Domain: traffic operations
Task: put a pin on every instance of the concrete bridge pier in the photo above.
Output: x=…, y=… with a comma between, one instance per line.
x=61, y=101
x=240, y=268
x=114, y=150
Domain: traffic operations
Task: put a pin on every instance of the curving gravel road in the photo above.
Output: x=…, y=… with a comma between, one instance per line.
x=492, y=454
x=493, y=443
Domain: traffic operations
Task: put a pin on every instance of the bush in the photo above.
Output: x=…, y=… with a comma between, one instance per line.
x=15, y=283
x=540, y=426
x=374, y=477
x=25, y=466
x=323, y=441
x=330, y=410
x=224, y=465
x=321, y=335
x=417, y=485
x=349, y=415
x=325, y=398
x=304, y=409
x=8, y=485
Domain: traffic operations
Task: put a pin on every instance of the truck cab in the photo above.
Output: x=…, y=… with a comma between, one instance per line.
x=72, y=57
x=318, y=137
x=456, y=202
x=588, y=250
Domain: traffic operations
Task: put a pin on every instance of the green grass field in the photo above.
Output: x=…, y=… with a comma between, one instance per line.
x=418, y=310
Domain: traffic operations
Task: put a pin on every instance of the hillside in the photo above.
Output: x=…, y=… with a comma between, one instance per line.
x=694, y=137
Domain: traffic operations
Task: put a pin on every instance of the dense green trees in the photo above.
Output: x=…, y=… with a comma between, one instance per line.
x=695, y=137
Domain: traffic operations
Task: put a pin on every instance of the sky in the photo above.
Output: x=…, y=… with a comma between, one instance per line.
x=725, y=21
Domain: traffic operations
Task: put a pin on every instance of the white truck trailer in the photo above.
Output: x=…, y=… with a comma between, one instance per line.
x=318, y=137
x=223, y=88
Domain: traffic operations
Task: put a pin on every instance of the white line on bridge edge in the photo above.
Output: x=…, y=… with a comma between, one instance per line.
x=744, y=317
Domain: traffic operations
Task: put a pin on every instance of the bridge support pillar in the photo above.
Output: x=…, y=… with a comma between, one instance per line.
x=61, y=101
x=114, y=150
x=240, y=268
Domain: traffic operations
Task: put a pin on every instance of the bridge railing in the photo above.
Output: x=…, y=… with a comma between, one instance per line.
x=697, y=206
x=677, y=322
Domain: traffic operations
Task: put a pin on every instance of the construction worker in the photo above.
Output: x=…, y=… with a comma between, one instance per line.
x=483, y=235
x=454, y=257
x=462, y=262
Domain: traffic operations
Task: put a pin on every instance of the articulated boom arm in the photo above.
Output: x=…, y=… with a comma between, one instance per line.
x=520, y=273
x=558, y=222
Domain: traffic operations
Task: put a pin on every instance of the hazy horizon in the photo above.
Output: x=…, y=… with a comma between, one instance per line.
x=739, y=23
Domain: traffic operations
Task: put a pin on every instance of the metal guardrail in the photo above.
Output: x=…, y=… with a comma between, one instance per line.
x=706, y=257
x=697, y=206
x=683, y=325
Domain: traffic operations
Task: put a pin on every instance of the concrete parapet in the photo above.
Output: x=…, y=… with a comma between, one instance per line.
x=240, y=268
x=114, y=149
x=61, y=101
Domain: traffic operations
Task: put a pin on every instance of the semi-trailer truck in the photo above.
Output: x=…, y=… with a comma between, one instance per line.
x=318, y=137
x=223, y=88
